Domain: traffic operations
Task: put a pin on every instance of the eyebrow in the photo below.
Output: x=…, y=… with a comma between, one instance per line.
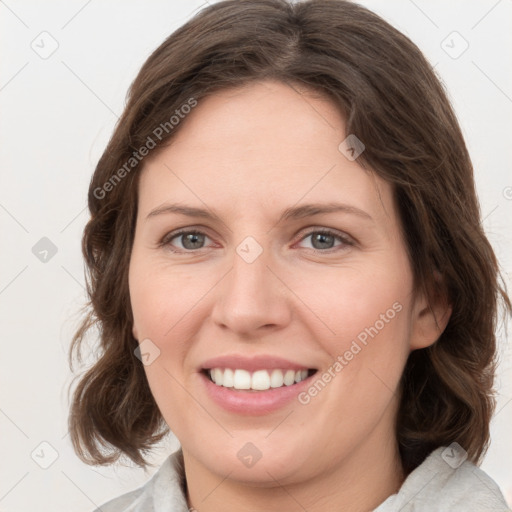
x=294, y=212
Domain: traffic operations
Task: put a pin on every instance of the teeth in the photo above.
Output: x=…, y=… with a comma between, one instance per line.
x=228, y=379
x=260, y=380
x=289, y=377
x=276, y=379
x=300, y=375
x=241, y=379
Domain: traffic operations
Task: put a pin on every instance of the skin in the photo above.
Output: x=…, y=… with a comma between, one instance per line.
x=247, y=154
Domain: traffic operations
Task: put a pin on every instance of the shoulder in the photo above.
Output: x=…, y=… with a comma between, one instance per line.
x=123, y=503
x=164, y=492
x=446, y=481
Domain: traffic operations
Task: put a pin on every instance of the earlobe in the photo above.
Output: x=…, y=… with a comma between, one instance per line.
x=135, y=333
x=430, y=319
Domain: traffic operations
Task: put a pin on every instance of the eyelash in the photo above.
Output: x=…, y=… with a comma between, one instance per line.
x=166, y=240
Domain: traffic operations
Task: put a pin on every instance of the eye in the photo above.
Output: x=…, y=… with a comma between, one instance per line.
x=190, y=240
x=324, y=240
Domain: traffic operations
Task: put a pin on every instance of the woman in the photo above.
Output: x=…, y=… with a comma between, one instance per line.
x=288, y=271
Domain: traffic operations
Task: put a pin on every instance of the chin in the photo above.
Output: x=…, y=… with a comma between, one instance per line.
x=259, y=463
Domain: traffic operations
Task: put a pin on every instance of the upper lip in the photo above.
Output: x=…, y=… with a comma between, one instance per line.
x=252, y=364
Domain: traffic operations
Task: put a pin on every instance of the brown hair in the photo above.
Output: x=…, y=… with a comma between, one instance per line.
x=392, y=100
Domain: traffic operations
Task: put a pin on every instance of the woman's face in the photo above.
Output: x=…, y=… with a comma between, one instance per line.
x=269, y=282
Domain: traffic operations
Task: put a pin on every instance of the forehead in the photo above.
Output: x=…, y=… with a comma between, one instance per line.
x=260, y=147
x=267, y=117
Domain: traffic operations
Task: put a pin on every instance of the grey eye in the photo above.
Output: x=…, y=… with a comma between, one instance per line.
x=189, y=240
x=192, y=240
x=322, y=240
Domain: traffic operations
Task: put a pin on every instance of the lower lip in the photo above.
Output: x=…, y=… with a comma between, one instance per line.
x=253, y=402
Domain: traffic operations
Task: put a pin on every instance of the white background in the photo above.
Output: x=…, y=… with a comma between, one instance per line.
x=57, y=115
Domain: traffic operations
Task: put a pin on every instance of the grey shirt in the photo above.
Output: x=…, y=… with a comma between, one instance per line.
x=438, y=484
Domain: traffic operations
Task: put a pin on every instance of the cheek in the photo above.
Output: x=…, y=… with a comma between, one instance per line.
x=162, y=297
x=163, y=301
x=349, y=304
x=362, y=320
x=168, y=309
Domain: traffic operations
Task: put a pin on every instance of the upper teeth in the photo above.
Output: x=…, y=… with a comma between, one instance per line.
x=259, y=380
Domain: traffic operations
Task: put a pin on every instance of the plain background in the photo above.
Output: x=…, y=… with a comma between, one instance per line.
x=57, y=115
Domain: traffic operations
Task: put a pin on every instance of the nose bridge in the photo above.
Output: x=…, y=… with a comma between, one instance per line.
x=250, y=296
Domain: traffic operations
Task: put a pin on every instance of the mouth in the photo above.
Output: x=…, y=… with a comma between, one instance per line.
x=239, y=379
x=254, y=385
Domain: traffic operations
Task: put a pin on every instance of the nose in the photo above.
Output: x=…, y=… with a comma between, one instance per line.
x=251, y=298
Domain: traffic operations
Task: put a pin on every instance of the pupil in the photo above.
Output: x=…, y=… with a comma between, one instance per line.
x=194, y=238
x=322, y=237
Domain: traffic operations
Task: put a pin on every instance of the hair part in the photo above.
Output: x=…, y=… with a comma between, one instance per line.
x=393, y=101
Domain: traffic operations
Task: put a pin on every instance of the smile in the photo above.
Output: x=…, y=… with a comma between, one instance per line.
x=260, y=380
x=254, y=385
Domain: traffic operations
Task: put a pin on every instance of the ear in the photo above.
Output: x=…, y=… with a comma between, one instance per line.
x=135, y=332
x=429, y=317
